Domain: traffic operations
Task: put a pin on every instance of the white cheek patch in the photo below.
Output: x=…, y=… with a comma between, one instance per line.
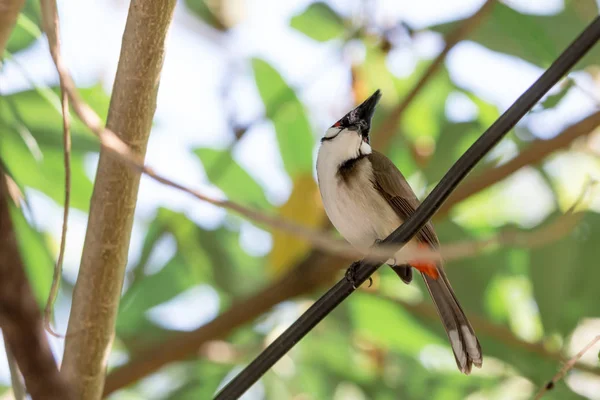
x=332, y=132
x=365, y=148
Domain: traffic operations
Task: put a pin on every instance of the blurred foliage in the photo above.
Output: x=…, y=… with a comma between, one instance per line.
x=27, y=29
x=534, y=38
x=370, y=347
x=319, y=22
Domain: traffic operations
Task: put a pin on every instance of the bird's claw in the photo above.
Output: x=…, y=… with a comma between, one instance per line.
x=351, y=275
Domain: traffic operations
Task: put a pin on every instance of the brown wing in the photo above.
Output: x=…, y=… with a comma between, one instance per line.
x=392, y=185
x=390, y=182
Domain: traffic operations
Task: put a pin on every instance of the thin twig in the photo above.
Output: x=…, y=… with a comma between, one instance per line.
x=63, y=237
x=566, y=368
x=384, y=134
x=18, y=388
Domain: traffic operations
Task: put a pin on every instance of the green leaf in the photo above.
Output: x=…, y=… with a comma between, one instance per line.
x=174, y=278
x=319, y=22
x=552, y=100
x=294, y=134
x=32, y=122
x=39, y=110
x=381, y=320
x=44, y=172
x=565, y=277
x=534, y=38
x=224, y=172
x=39, y=264
x=202, y=256
x=425, y=115
x=27, y=29
x=203, y=11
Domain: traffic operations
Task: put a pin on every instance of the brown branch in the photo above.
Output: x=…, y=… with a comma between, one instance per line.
x=532, y=155
x=385, y=132
x=9, y=12
x=572, y=363
x=17, y=386
x=150, y=361
x=64, y=99
x=20, y=318
x=98, y=288
x=305, y=277
x=317, y=270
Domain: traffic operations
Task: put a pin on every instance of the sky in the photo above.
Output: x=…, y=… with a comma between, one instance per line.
x=190, y=108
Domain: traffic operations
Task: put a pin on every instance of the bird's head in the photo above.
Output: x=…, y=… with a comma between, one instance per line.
x=350, y=135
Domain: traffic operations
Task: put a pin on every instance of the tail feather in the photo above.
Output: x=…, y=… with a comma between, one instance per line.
x=465, y=345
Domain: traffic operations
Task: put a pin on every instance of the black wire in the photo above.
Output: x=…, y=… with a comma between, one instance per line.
x=322, y=307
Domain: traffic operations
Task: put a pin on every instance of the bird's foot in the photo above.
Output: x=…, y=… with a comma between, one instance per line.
x=351, y=274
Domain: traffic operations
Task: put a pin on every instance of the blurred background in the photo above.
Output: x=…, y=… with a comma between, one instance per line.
x=247, y=89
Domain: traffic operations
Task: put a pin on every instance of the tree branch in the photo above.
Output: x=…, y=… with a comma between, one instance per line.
x=9, y=12
x=51, y=27
x=572, y=363
x=17, y=386
x=314, y=272
x=536, y=152
x=385, y=132
x=404, y=233
x=20, y=318
x=133, y=102
x=304, y=278
x=318, y=268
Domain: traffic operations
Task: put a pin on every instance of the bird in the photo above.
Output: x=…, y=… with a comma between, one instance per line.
x=366, y=198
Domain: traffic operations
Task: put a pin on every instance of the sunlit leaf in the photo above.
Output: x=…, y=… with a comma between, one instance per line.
x=39, y=111
x=565, y=277
x=34, y=252
x=294, y=134
x=303, y=207
x=205, y=10
x=426, y=114
x=46, y=173
x=319, y=22
x=552, y=101
x=534, y=38
x=27, y=29
x=382, y=321
x=231, y=178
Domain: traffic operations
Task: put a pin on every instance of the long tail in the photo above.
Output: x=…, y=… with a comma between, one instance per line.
x=465, y=345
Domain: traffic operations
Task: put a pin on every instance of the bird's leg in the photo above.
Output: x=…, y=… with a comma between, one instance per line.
x=351, y=274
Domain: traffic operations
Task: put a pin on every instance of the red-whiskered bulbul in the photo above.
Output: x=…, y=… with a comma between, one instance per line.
x=366, y=198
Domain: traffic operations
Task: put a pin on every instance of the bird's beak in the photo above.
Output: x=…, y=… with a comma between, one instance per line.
x=366, y=110
x=364, y=113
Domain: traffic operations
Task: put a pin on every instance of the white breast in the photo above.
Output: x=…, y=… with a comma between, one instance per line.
x=355, y=207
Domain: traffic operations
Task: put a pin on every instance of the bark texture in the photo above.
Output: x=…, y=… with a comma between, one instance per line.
x=20, y=316
x=98, y=288
x=9, y=11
